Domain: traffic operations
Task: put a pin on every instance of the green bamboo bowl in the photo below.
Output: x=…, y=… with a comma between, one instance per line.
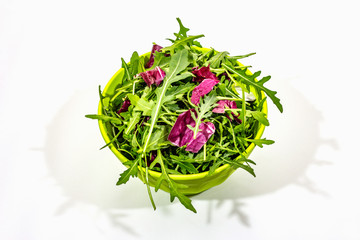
x=192, y=183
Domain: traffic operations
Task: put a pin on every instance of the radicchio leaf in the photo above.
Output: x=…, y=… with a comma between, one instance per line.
x=220, y=108
x=154, y=49
x=181, y=135
x=125, y=106
x=156, y=76
x=202, y=89
x=222, y=104
x=202, y=73
x=207, y=129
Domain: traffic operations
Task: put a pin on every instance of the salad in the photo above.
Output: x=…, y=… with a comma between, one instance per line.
x=185, y=109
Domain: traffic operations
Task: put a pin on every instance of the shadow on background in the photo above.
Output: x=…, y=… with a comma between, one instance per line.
x=87, y=175
x=297, y=138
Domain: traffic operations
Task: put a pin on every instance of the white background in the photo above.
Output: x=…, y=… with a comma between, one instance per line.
x=56, y=184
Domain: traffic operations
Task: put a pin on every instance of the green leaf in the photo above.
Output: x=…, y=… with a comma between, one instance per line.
x=177, y=64
x=215, y=61
x=133, y=98
x=239, y=164
x=134, y=64
x=127, y=75
x=177, y=92
x=160, y=60
x=159, y=138
x=205, y=106
x=130, y=172
x=250, y=80
x=241, y=56
x=187, y=167
x=173, y=187
x=141, y=67
x=145, y=106
x=134, y=119
x=261, y=117
x=104, y=118
x=141, y=104
x=183, y=30
x=180, y=42
x=260, y=142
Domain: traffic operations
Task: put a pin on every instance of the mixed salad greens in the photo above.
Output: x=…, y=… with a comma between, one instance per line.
x=184, y=109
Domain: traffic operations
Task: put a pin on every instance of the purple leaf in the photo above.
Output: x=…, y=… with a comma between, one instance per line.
x=156, y=76
x=153, y=155
x=125, y=106
x=207, y=129
x=222, y=105
x=220, y=108
x=154, y=49
x=202, y=89
x=202, y=73
x=181, y=135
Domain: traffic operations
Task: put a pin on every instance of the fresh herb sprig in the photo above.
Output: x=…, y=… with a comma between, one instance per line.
x=145, y=112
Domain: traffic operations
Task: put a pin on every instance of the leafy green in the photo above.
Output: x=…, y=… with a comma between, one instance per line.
x=173, y=187
x=260, y=142
x=251, y=80
x=217, y=59
x=182, y=42
x=177, y=64
x=203, y=111
x=104, y=118
x=130, y=172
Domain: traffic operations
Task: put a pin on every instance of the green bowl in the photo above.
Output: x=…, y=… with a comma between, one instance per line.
x=193, y=183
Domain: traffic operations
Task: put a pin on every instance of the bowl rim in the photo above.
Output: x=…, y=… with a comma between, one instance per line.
x=156, y=174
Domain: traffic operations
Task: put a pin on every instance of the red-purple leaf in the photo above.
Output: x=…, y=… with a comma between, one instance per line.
x=207, y=129
x=154, y=49
x=181, y=135
x=222, y=105
x=156, y=76
x=202, y=73
x=202, y=89
x=125, y=106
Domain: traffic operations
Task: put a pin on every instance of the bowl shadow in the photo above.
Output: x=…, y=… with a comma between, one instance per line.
x=85, y=174
x=297, y=138
x=88, y=176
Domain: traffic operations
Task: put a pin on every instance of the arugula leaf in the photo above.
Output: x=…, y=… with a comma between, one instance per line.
x=241, y=56
x=127, y=75
x=159, y=138
x=182, y=32
x=144, y=106
x=203, y=110
x=104, y=118
x=215, y=61
x=239, y=164
x=176, y=92
x=250, y=80
x=134, y=119
x=261, y=117
x=133, y=99
x=180, y=42
x=173, y=187
x=260, y=142
x=141, y=104
x=134, y=64
x=177, y=64
x=130, y=172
